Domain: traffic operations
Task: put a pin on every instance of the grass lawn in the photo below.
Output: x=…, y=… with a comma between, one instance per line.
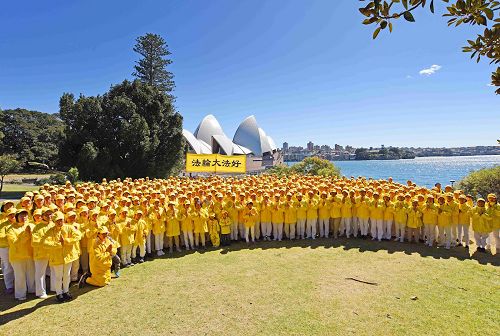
x=16, y=191
x=287, y=288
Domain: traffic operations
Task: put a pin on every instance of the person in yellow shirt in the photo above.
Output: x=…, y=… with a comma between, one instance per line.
x=388, y=217
x=265, y=217
x=377, y=217
x=493, y=209
x=444, y=222
x=335, y=215
x=312, y=215
x=324, y=216
x=464, y=213
x=200, y=224
x=213, y=230
x=62, y=241
x=290, y=220
x=225, y=228
x=240, y=205
x=127, y=237
x=277, y=217
x=346, y=213
x=400, y=217
x=429, y=219
x=230, y=207
x=187, y=224
x=7, y=218
x=21, y=254
x=173, y=229
x=250, y=217
x=141, y=233
x=100, y=260
x=301, y=216
x=480, y=224
x=75, y=267
x=363, y=213
x=157, y=217
x=454, y=217
x=414, y=222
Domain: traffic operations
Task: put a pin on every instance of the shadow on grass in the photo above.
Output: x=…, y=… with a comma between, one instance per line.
x=7, y=302
x=12, y=195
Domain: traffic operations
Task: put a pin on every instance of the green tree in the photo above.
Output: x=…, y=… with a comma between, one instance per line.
x=474, y=12
x=32, y=136
x=8, y=165
x=315, y=166
x=481, y=182
x=131, y=131
x=73, y=175
x=152, y=67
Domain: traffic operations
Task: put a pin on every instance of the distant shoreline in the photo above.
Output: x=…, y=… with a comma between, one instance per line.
x=417, y=156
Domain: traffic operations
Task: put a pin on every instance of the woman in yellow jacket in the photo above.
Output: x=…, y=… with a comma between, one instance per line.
x=290, y=220
x=430, y=219
x=388, y=217
x=187, y=225
x=346, y=213
x=250, y=216
x=173, y=229
x=230, y=207
x=493, y=209
x=157, y=218
x=7, y=217
x=100, y=260
x=266, y=217
x=363, y=213
x=127, y=236
x=40, y=252
x=312, y=215
x=277, y=217
x=414, y=222
x=199, y=216
x=480, y=224
x=141, y=233
x=464, y=214
x=444, y=222
x=225, y=228
x=377, y=217
x=324, y=215
x=335, y=215
x=21, y=254
x=75, y=267
x=301, y=216
x=62, y=242
x=400, y=217
x=83, y=220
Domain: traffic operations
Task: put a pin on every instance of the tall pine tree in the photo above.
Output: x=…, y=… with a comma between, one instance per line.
x=152, y=67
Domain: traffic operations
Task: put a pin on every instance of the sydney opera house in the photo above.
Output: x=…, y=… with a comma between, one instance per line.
x=249, y=140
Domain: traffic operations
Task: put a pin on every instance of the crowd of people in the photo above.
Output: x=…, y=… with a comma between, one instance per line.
x=86, y=232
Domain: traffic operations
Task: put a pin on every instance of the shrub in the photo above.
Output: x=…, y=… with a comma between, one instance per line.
x=481, y=182
x=53, y=179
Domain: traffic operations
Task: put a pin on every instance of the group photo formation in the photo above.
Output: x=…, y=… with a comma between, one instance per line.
x=87, y=232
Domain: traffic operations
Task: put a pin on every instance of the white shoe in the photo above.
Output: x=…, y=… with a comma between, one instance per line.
x=21, y=299
x=44, y=296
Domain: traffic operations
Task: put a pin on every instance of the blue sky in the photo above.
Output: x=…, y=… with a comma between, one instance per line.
x=307, y=69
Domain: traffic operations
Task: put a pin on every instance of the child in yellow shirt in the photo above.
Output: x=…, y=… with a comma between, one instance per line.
x=225, y=228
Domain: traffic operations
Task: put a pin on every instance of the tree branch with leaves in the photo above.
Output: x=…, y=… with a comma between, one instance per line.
x=473, y=12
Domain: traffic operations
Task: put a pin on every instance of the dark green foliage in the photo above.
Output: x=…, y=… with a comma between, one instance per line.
x=131, y=131
x=309, y=166
x=152, y=67
x=59, y=179
x=32, y=136
x=481, y=182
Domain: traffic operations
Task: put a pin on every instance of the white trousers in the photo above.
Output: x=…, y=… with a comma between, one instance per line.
x=377, y=229
x=249, y=231
x=363, y=226
x=278, y=231
x=74, y=269
x=301, y=228
x=188, y=239
x=463, y=233
x=62, y=277
x=400, y=231
x=158, y=242
x=257, y=230
x=198, y=237
x=355, y=226
x=345, y=224
x=7, y=270
x=445, y=231
x=241, y=228
x=388, y=229
x=430, y=234
x=480, y=239
x=495, y=239
x=311, y=227
x=324, y=227
x=148, y=242
x=234, y=230
x=24, y=277
x=290, y=230
x=267, y=229
x=126, y=254
x=142, y=250
x=40, y=274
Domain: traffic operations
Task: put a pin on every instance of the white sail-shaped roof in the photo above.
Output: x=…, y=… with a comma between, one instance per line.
x=249, y=135
x=207, y=128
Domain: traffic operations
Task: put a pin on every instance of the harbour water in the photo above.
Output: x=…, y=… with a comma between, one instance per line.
x=425, y=171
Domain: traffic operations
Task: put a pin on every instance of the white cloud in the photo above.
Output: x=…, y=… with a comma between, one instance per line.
x=430, y=71
x=489, y=84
